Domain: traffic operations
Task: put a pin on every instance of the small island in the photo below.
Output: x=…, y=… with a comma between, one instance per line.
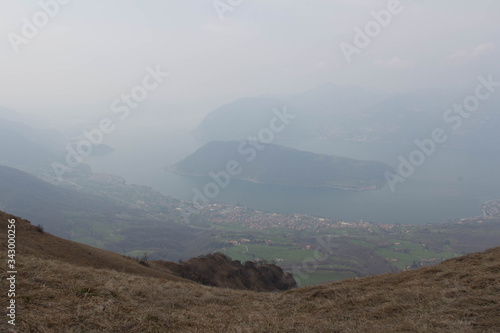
x=279, y=165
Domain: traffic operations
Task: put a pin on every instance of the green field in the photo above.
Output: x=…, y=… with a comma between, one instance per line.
x=267, y=252
x=322, y=276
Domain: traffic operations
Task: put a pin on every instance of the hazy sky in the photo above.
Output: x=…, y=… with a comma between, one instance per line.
x=93, y=51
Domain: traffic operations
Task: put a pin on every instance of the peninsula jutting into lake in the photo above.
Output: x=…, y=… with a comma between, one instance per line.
x=274, y=164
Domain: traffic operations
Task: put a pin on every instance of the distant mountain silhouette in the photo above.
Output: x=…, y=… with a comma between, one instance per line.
x=33, y=149
x=334, y=113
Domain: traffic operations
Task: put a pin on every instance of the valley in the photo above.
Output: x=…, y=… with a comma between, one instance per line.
x=111, y=292
x=165, y=228
x=356, y=248
x=250, y=166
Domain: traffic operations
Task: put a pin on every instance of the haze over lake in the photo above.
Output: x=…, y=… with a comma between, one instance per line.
x=451, y=184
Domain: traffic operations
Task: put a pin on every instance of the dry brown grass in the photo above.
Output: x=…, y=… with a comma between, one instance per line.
x=459, y=295
x=213, y=270
x=32, y=240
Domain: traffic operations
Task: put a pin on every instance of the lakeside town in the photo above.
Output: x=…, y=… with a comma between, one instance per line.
x=224, y=213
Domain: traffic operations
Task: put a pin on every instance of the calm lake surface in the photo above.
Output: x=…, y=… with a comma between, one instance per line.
x=452, y=183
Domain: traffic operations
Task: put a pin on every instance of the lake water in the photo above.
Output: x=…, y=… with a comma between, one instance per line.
x=451, y=184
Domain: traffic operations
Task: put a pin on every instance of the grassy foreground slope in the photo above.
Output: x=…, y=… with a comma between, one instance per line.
x=459, y=295
x=33, y=241
x=214, y=269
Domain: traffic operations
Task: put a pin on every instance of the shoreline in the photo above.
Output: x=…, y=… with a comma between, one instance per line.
x=173, y=169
